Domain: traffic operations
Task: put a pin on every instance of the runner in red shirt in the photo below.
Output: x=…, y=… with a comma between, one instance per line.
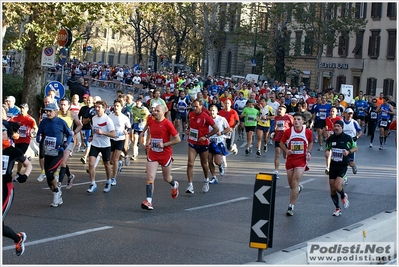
x=159, y=142
x=297, y=144
x=282, y=122
x=198, y=142
x=329, y=130
x=233, y=120
x=28, y=128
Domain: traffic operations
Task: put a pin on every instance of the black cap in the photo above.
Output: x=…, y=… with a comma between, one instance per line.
x=341, y=123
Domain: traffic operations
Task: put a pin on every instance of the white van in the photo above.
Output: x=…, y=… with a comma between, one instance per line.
x=255, y=77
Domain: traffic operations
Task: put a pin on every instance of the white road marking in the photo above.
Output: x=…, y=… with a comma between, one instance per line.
x=304, y=182
x=218, y=204
x=61, y=237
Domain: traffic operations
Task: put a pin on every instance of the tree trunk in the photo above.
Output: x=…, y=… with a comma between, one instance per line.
x=211, y=60
x=34, y=78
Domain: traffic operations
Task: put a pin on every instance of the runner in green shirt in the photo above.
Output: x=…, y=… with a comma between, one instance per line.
x=250, y=113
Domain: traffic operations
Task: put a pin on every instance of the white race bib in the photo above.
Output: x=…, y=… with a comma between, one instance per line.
x=5, y=164
x=22, y=131
x=193, y=135
x=297, y=147
x=154, y=144
x=280, y=125
x=337, y=154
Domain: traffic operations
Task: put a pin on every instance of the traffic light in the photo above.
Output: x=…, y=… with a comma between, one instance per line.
x=84, y=48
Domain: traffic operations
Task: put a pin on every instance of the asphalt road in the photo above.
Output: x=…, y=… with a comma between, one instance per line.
x=204, y=228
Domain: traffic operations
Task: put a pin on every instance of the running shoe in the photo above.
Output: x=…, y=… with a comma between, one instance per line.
x=239, y=138
x=214, y=180
x=146, y=205
x=127, y=161
x=70, y=181
x=78, y=145
x=246, y=151
x=316, y=140
x=290, y=212
x=221, y=169
x=175, y=190
x=92, y=188
x=327, y=171
x=235, y=150
x=16, y=178
x=83, y=160
x=320, y=149
x=337, y=212
x=265, y=148
x=183, y=136
x=258, y=152
x=190, y=189
x=205, y=188
x=107, y=186
x=271, y=142
x=113, y=181
x=41, y=177
x=134, y=157
x=354, y=169
x=345, y=182
x=20, y=246
x=250, y=150
x=345, y=201
x=380, y=148
x=276, y=173
x=300, y=188
x=371, y=145
x=57, y=199
x=120, y=165
x=56, y=175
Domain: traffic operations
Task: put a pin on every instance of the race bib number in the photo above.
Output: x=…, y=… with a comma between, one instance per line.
x=373, y=115
x=330, y=133
x=384, y=123
x=50, y=146
x=193, y=135
x=213, y=139
x=228, y=135
x=251, y=118
x=10, y=115
x=322, y=115
x=297, y=147
x=337, y=154
x=5, y=164
x=280, y=125
x=22, y=131
x=155, y=144
x=384, y=114
x=182, y=109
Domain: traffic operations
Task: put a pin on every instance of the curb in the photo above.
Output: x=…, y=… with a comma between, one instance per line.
x=378, y=228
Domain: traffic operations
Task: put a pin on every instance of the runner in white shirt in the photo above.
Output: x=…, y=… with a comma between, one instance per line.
x=103, y=130
x=122, y=128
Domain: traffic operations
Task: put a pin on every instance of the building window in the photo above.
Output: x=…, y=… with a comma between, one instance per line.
x=388, y=87
x=97, y=32
x=343, y=44
x=308, y=47
x=374, y=44
x=391, y=11
x=331, y=11
x=361, y=9
x=127, y=58
x=105, y=33
x=345, y=9
x=119, y=57
x=359, y=45
x=376, y=9
x=391, y=51
x=113, y=34
x=228, y=69
x=219, y=63
x=103, y=56
x=371, y=86
x=340, y=80
x=298, y=43
x=287, y=44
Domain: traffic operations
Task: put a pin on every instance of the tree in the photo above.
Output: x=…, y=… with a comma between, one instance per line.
x=39, y=23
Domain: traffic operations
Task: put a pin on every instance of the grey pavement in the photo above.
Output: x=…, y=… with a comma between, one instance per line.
x=211, y=228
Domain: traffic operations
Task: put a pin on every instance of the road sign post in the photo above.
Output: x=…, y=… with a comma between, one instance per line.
x=262, y=221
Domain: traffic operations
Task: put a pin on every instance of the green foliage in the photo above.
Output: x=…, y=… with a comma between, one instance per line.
x=12, y=85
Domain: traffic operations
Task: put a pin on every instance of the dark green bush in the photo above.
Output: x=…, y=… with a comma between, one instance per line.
x=12, y=85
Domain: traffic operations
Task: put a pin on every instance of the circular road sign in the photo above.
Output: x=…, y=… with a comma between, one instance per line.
x=63, y=37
